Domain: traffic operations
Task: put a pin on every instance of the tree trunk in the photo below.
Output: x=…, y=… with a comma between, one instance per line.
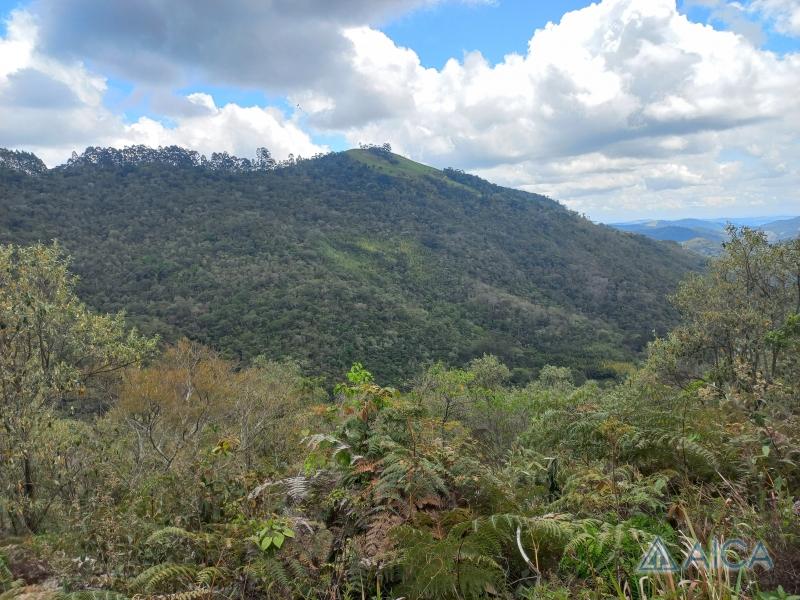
x=31, y=522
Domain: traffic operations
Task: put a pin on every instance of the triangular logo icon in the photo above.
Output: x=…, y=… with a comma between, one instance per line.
x=657, y=559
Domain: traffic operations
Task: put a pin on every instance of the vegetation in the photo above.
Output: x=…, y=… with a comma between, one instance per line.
x=204, y=477
x=356, y=256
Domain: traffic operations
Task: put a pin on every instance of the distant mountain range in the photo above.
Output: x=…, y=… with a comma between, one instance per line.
x=706, y=235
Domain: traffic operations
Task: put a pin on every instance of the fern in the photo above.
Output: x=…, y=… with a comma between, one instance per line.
x=377, y=541
x=464, y=564
x=411, y=477
x=269, y=570
x=172, y=533
x=9, y=587
x=91, y=595
x=165, y=577
x=208, y=576
x=297, y=488
x=605, y=550
x=6, y=576
x=669, y=448
x=194, y=594
x=553, y=529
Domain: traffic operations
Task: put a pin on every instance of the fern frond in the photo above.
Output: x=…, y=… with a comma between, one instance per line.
x=91, y=595
x=208, y=576
x=462, y=565
x=553, y=528
x=6, y=576
x=170, y=532
x=12, y=593
x=157, y=576
x=270, y=571
x=8, y=585
x=195, y=594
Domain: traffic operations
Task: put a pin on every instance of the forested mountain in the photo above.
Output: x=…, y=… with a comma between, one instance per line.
x=360, y=255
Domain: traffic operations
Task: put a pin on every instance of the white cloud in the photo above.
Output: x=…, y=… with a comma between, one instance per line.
x=785, y=14
x=622, y=108
x=44, y=104
x=17, y=46
x=53, y=107
x=628, y=82
x=232, y=128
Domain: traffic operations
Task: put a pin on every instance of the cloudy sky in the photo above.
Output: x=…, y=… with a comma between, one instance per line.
x=622, y=109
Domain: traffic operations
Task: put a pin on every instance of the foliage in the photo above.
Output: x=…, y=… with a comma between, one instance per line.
x=272, y=533
x=51, y=348
x=206, y=477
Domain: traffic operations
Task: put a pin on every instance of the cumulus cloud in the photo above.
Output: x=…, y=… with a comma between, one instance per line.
x=625, y=106
x=232, y=128
x=44, y=104
x=53, y=107
x=608, y=74
x=279, y=44
x=643, y=99
x=785, y=14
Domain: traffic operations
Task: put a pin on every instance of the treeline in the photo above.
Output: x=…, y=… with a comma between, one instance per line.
x=17, y=161
x=175, y=156
x=205, y=477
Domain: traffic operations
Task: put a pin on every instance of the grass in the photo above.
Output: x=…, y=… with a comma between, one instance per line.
x=400, y=166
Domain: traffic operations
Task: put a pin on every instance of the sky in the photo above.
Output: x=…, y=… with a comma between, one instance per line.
x=619, y=109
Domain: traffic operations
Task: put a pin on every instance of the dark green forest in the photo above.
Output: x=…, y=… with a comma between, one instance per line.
x=354, y=256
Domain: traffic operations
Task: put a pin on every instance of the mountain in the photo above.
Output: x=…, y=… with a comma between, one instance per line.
x=783, y=230
x=705, y=236
x=356, y=256
x=675, y=233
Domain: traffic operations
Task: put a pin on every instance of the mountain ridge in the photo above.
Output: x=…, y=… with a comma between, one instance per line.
x=359, y=255
x=705, y=236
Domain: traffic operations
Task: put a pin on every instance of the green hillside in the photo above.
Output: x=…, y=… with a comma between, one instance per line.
x=362, y=255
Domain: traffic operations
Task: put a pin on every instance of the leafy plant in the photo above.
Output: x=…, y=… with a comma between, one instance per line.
x=272, y=534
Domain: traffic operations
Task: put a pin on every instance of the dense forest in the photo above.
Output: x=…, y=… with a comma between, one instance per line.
x=206, y=477
x=354, y=256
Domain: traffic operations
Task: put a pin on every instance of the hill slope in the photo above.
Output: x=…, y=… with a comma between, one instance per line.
x=361, y=255
x=785, y=229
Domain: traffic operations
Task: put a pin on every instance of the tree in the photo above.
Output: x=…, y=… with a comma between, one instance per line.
x=51, y=346
x=169, y=405
x=266, y=409
x=741, y=322
x=445, y=391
